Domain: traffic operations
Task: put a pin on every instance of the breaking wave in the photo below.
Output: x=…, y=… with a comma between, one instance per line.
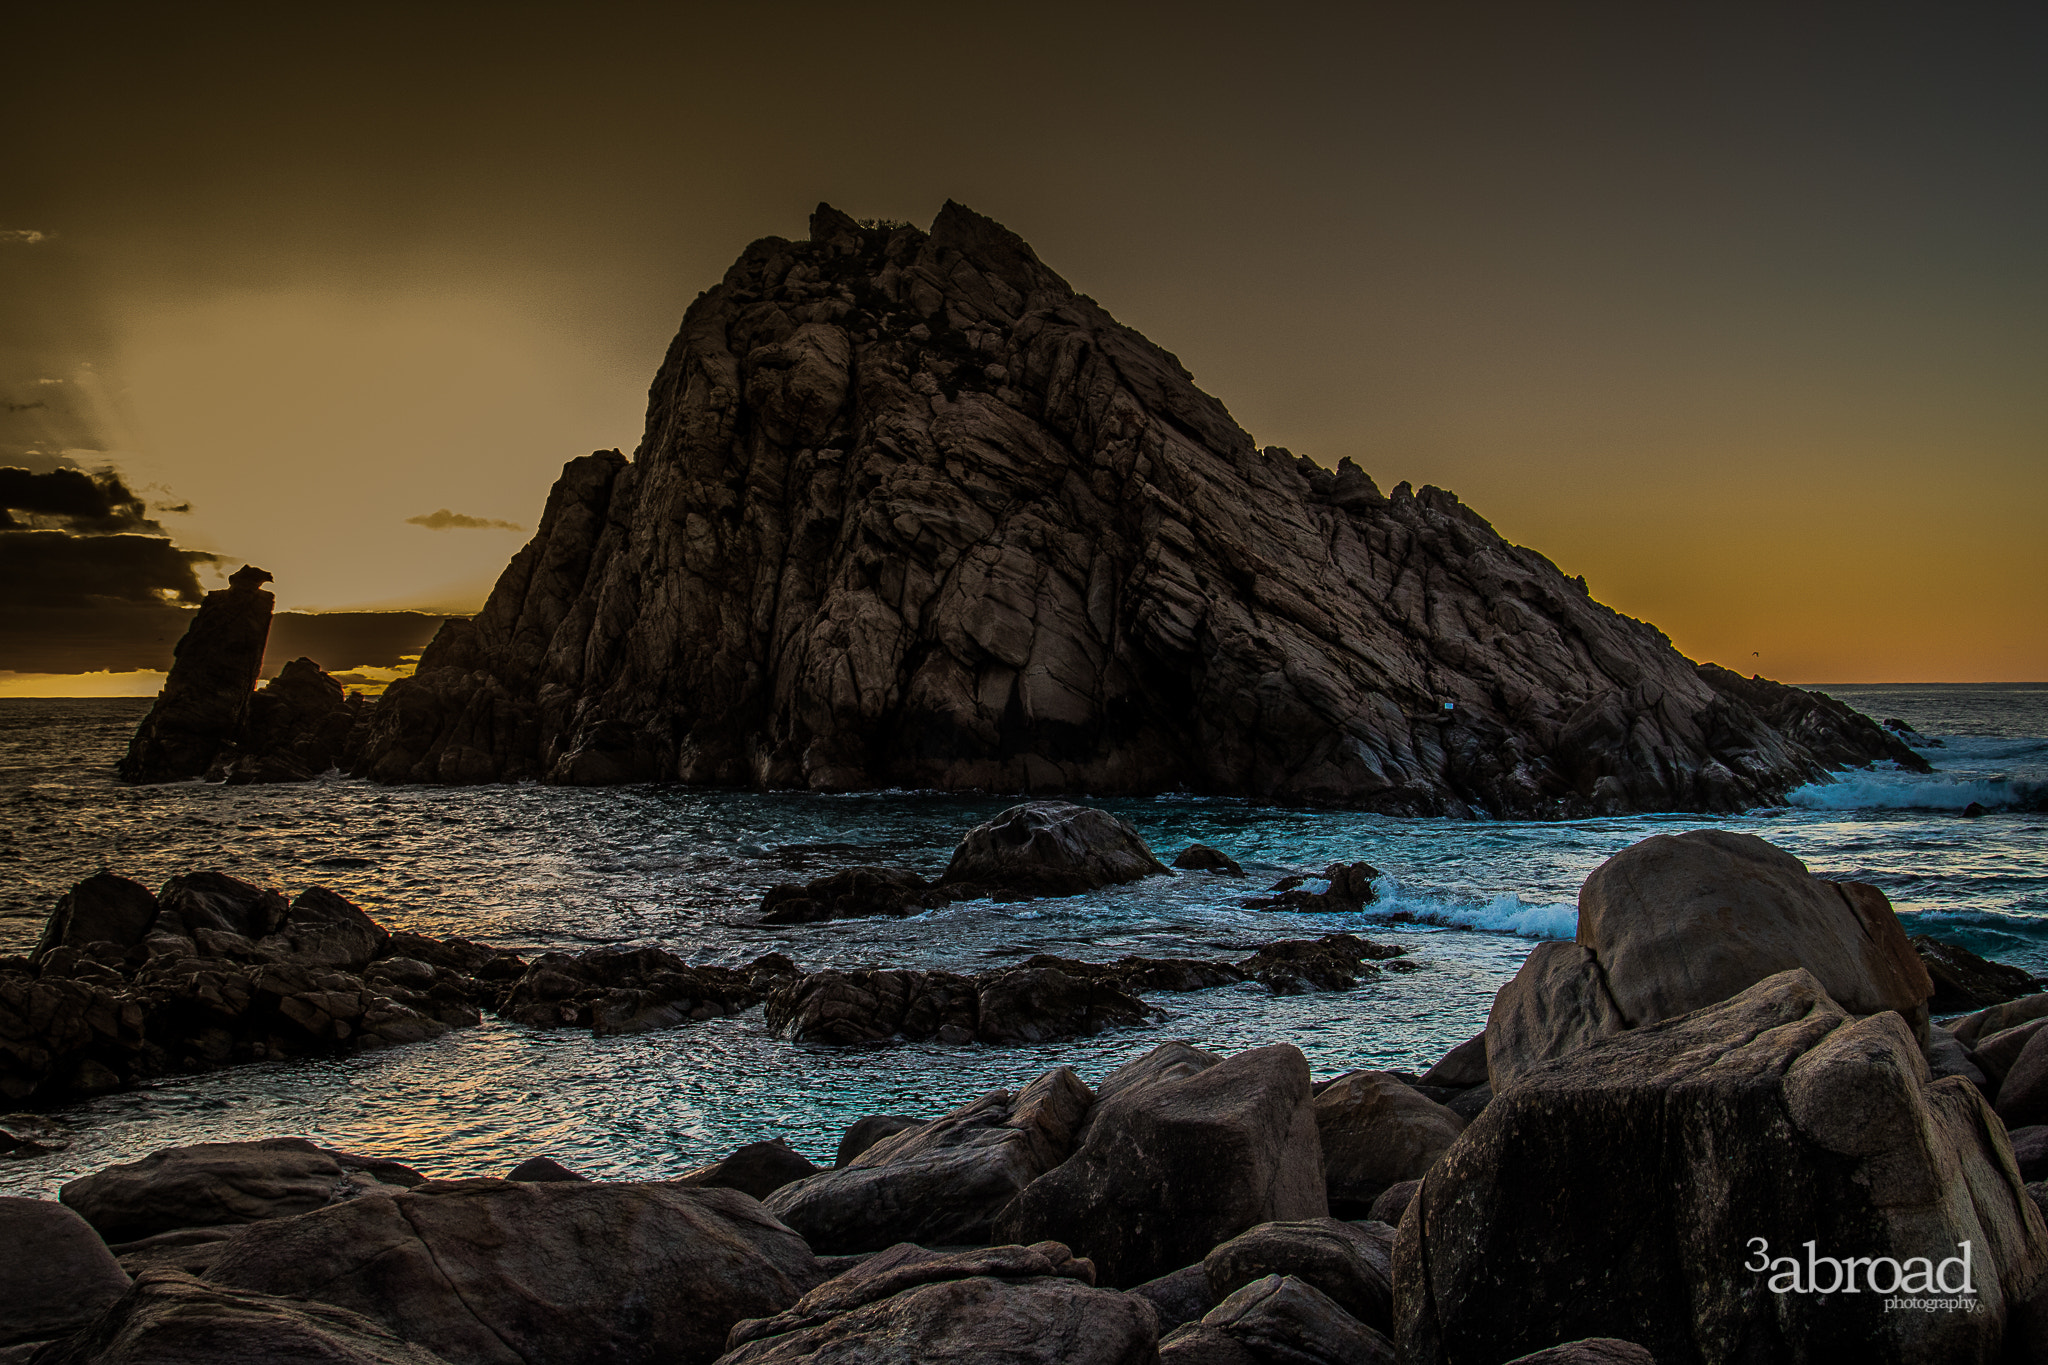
x=1939, y=791
x=1505, y=913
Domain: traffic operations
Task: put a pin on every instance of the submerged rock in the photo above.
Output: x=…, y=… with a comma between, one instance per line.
x=910, y=512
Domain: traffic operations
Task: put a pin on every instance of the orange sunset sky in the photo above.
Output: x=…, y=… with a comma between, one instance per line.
x=1739, y=311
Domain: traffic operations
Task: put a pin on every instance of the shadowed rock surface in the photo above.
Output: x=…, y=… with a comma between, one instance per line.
x=910, y=512
x=1612, y=1192
x=205, y=699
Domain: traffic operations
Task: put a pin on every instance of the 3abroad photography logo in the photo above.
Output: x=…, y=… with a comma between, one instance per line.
x=1919, y=1284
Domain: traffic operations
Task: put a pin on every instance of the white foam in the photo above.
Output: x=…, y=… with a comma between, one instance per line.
x=1506, y=913
x=1894, y=791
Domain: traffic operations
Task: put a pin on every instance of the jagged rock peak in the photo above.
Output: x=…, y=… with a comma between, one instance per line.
x=910, y=512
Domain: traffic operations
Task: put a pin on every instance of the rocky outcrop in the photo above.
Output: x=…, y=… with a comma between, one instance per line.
x=634, y=990
x=1619, y=1191
x=1051, y=848
x=557, y=1273
x=210, y=971
x=1350, y=889
x=205, y=699
x=299, y=726
x=910, y=512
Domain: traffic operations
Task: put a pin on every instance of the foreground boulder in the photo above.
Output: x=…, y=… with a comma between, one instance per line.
x=558, y=1273
x=212, y=1184
x=1677, y=922
x=1020, y=1305
x=1180, y=1153
x=55, y=1272
x=1352, y=1263
x=944, y=1183
x=205, y=699
x=1618, y=1190
x=171, y=1317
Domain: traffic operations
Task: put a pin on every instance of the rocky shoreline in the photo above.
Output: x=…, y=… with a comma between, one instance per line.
x=211, y=971
x=1733, y=1051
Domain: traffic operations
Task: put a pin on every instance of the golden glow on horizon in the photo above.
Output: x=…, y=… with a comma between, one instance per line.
x=140, y=683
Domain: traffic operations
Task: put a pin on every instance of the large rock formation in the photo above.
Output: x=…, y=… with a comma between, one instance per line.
x=910, y=512
x=213, y=674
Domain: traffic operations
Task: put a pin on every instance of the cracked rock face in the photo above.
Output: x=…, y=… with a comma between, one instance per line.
x=910, y=512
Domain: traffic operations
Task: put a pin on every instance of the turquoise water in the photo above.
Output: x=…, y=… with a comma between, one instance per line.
x=538, y=867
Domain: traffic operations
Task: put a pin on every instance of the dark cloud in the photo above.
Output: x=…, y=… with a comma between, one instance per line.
x=445, y=520
x=122, y=637
x=71, y=500
x=58, y=570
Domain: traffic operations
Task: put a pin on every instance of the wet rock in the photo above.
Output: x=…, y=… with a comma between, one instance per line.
x=1278, y=1318
x=944, y=1183
x=1202, y=858
x=210, y=1184
x=1044, y=1004
x=1344, y=1260
x=1351, y=889
x=1050, y=848
x=1177, y=1156
x=542, y=1169
x=323, y=929
x=1965, y=981
x=1377, y=1132
x=854, y=893
x=1575, y=1206
x=557, y=1273
x=205, y=699
x=24, y=1136
x=101, y=909
x=172, y=1317
x=1135, y=973
x=56, y=1274
x=759, y=1169
x=865, y=1133
x=1334, y=962
x=1028, y=1004
x=634, y=990
x=1031, y=1305
x=1974, y=811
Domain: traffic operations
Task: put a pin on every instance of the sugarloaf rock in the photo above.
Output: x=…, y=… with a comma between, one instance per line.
x=911, y=512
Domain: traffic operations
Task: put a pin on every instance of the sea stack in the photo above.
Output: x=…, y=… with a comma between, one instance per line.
x=911, y=512
x=213, y=674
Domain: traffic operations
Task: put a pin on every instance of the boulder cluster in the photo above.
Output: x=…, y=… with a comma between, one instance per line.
x=1766, y=1175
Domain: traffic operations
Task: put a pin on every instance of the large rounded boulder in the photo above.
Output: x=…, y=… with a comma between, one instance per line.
x=215, y=1184
x=1679, y=921
x=1702, y=1185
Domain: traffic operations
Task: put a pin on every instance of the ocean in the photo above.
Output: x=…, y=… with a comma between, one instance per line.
x=568, y=868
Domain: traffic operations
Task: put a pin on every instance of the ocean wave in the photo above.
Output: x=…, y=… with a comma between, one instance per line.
x=1892, y=791
x=1506, y=913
